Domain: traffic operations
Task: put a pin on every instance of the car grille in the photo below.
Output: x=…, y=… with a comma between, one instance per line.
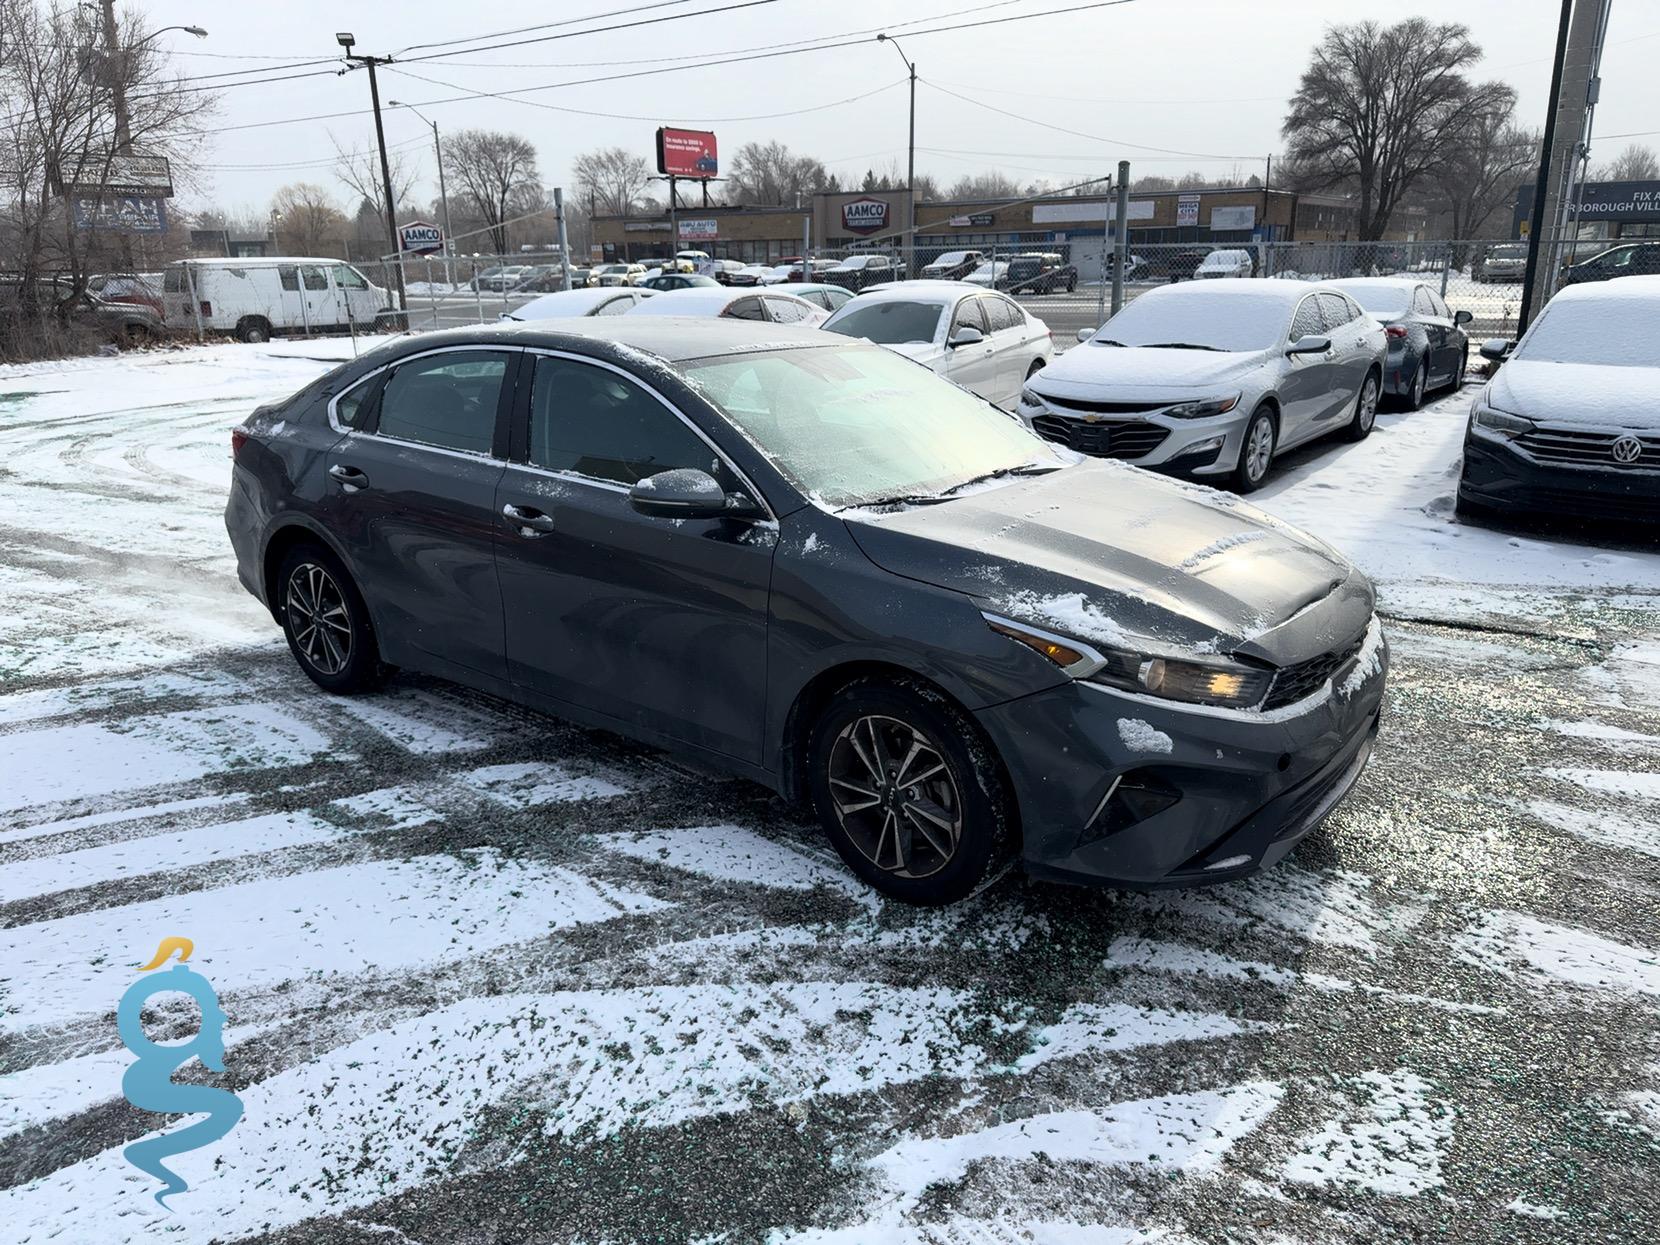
x=1293, y=683
x=1574, y=445
x=1122, y=439
x=1104, y=408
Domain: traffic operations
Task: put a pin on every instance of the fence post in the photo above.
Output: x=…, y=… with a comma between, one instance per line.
x=1446, y=267
x=1121, y=236
x=503, y=279
x=432, y=293
x=478, y=291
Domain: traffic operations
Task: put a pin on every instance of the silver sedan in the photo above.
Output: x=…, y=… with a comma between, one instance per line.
x=1213, y=380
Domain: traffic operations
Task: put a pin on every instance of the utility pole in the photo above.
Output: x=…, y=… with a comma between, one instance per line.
x=910, y=163
x=564, y=247
x=115, y=64
x=345, y=40
x=1570, y=98
x=1121, y=239
x=443, y=193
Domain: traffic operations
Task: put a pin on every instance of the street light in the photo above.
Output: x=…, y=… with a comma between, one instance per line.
x=443, y=194
x=910, y=162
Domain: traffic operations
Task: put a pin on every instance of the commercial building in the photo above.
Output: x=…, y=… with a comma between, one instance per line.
x=1075, y=226
x=1606, y=211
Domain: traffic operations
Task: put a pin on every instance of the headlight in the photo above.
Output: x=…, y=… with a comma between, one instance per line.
x=1028, y=398
x=1203, y=408
x=1502, y=422
x=1223, y=683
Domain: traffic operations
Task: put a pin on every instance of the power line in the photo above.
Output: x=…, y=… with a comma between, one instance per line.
x=1138, y=99
x=1094, y=138
x=570, y=21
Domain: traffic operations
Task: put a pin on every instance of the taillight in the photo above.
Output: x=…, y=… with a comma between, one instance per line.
x=207, y=308
x=239, y=438
x=1394, y=330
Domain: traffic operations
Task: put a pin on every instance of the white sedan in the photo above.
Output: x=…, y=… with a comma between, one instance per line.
x=603, y=301
x=982, y=341
x=735, y=304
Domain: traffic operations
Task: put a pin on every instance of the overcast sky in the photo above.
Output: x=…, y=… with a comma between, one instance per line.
x=1203, y=76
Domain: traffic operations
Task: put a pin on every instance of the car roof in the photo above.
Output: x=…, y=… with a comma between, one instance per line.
x=1643, y=287
x=587, y=299
x=666, y=337
x=797, y=288
x=260, y=261
x=703, y=300
x=1288, y=291
x=920, y=291
x=1373, y=283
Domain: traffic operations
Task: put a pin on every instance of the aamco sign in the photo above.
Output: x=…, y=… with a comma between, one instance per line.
x=420, y=238
x=864, y=215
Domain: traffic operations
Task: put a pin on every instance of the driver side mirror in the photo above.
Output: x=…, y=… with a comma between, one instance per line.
x=688, y=493
x=1309, y=344
x=1462, y=317
x=1496, y=348
x=1085, y=334
x=967, y=335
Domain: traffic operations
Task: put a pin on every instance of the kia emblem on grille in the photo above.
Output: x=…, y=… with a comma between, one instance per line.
x=1626, y=450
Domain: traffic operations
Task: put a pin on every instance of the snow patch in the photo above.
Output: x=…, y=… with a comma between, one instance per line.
x=1561, y=953
x=1140, y=736
x=1393, y=1145
x=1071, y=612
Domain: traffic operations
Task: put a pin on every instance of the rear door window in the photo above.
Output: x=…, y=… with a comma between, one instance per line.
x=788, y=311
x=1334, y=308
x=446, y=400
x=745, y=309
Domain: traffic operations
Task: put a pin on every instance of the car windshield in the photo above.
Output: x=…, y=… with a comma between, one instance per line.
x=857, y=261
x=1508, y=252
x=1390, y=300
x=985, y=270
x=949, y=259
x=888, y=322
x=1232, y=321
x=856, y=425
x=1610, y=332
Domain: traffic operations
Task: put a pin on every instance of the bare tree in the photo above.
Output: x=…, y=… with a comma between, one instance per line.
x=307, y=222
x=497, y=173
x=1482, y=168
x=1637, y=163
x=990, y=185
x=770, y=174
x=611, y=180
x=1381, y=107
x=359, y=172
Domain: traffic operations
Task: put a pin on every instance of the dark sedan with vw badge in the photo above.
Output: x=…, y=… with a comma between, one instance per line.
x=811, y=562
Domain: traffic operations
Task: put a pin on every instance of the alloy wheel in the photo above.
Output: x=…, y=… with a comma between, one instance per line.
x=1260, y=450
x=318, y=618
x=895, y=797
x=1419, y=382
x=1369, y=399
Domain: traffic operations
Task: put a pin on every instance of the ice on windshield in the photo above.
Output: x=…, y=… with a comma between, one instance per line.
x=853, y=425
x=888, y=323
x=1610, y=332
x=1223, y=321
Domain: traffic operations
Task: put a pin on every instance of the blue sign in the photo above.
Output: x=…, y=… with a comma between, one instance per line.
x=148, y=1083
x=120, y=213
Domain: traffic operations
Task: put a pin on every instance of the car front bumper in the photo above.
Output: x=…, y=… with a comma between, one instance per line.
x=1201, y=448
x=1248, y=786
x=1500, y=477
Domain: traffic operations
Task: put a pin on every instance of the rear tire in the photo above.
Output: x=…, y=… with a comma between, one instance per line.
x=1037, y=366
x=1365, y=417
x=253, y=329
x=1256, y=451
x=1413, y=398
x=909, y=792
x=326, y=622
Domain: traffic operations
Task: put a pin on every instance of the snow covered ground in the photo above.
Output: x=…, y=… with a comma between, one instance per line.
x=490, y=977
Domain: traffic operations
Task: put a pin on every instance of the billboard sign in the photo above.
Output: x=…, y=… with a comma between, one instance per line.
x=1187, y=212
x=119, y=213
x=686, y=153
x=864, y=215
x=420, y=238
x=1222, y=218
x=976, y=220
x=699, y=230
x=116, y=175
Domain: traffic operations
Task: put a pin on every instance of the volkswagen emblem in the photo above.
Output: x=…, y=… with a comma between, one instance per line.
x=1627, y=449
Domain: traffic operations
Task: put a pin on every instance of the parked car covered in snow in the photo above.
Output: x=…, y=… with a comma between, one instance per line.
x=806, y=561
x=1428, y=348
x=984, y=342
x=1040, y=273
x=719, y=301
x=1571, y=422
x=616, y=274
x=1225, y=263
x=856, y=272
x=952, y=266
x=1505, y=262
x=602, y=301
x=256, y=298
x=1214, y=380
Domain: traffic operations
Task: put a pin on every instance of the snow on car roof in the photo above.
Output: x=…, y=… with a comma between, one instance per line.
x=1375, y=283
x=1287, y=290
x=700, y=300
x=672, y=338
x=571, y=302
x=1644, y=287
x=919, y=291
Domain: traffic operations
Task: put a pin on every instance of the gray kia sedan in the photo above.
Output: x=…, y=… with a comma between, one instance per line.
x=812, y=562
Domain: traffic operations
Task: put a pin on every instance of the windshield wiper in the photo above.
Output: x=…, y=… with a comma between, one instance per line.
x=1104, y=341
x=1181, y=346
x=1024, y=469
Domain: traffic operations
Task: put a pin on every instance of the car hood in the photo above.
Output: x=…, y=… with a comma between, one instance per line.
x=923, y=352
x=1115, y=555
x=1093, y=371
x=1579, y=393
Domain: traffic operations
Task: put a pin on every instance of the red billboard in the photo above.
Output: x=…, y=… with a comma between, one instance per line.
x=686, y=153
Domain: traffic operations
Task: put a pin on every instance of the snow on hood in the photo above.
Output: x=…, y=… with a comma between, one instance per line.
x=1087, y=370
x=1112, y=554
x=1579, y=393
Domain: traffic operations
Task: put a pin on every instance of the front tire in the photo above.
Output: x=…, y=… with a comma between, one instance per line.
x=1256, y=451
x=909, y=792
x=1365, y=417
x=253, y=329
x=326, y=622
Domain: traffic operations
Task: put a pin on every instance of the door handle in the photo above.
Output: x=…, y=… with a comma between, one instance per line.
x=528, y=521
x=350, y=477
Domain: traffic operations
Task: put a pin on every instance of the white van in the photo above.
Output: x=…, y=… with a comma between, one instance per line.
x=1225, y=264
x=255, y=298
